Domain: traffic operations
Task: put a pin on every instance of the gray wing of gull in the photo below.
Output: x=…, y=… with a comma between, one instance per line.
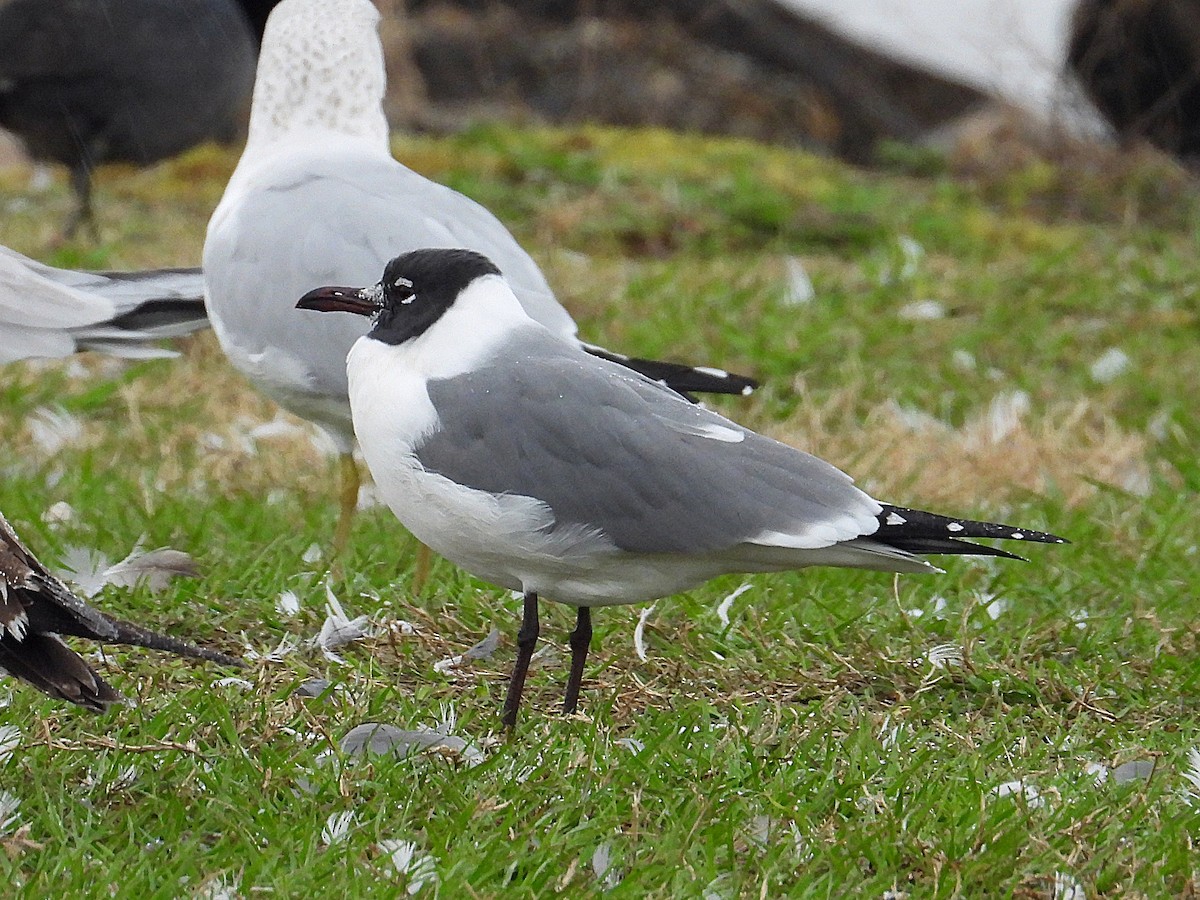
x=607, y=449
x=336, y=219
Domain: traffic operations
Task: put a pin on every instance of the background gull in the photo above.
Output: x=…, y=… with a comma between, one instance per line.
x=137, y=81
x=36, y=607
x=547, y=471
x=131, y=81
x=318, y=199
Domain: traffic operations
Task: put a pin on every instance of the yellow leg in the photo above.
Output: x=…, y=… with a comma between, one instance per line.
x=350, y=481
x=424, y=558
x=348, y=470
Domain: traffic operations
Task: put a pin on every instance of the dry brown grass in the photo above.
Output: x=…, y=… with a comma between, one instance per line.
x=989, y=462
x=997, y=455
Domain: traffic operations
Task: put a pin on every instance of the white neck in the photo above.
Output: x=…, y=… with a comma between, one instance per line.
x=469, y=333
x=320, y=69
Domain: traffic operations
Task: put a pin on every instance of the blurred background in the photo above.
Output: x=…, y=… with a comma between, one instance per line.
x=844, y=77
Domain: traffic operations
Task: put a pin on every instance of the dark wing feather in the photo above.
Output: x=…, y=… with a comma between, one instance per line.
x=36, y=607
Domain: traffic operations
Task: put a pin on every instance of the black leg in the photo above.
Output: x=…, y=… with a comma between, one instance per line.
x=580, y=640
x=81, y=182
x=526, y=639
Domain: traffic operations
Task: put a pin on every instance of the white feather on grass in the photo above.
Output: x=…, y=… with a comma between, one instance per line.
x=9, y=804
x=407, y=859
x=639, y=632
x=481, y=650
x=338, y=629
x=10, y=740
x=1192, y=774
x=725, y=605
x=800, y=291
x=287, y=604
x=53, y=429
x=90, y=572
x=337, y=827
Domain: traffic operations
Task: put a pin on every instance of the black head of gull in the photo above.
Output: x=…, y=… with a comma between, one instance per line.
x=416, y=290
x=546, y=470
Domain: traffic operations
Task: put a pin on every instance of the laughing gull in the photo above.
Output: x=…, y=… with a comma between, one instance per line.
x=136, y=81
x=547, y=471
x=36, y=607
x=317, y=198
x=46, y=311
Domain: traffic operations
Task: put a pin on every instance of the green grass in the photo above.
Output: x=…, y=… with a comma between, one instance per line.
x=807, y=748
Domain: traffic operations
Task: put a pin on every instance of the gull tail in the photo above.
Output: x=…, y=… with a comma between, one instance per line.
x=917, y=531
x=47, y=311
x=149, y=306
x=680, y=377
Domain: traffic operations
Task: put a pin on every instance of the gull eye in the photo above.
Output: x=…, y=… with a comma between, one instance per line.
x=402, y=290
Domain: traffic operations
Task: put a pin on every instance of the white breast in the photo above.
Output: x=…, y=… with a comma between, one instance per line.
x=501, y=539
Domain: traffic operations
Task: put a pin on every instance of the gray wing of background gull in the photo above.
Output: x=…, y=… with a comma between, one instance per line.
x=610, y=450
x=45, y=311
x=337, y=218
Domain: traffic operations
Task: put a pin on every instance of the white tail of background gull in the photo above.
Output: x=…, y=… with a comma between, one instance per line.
x=317, y=198
x=48, y=312
x=544, y=470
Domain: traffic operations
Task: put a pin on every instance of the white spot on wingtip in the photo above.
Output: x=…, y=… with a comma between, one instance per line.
x=954, y=526
x=895, y=519
x=748, y=390
x=1017, y=536
x=715, y=432
x=709, y=370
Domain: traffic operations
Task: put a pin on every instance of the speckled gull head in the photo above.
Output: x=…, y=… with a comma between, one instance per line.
x=321, y=67
x=544, y=470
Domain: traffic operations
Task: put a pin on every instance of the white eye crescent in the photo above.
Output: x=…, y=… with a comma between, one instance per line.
x=405, y=283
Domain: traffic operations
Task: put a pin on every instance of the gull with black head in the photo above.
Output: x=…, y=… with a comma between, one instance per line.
x=317, y=198
x=547, y=471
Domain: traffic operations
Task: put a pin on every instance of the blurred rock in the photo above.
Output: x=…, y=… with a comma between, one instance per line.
x=1139, y=63
x=752, y=68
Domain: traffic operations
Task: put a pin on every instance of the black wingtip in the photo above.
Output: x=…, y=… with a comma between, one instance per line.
x=679, y=377
x=917, y=531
